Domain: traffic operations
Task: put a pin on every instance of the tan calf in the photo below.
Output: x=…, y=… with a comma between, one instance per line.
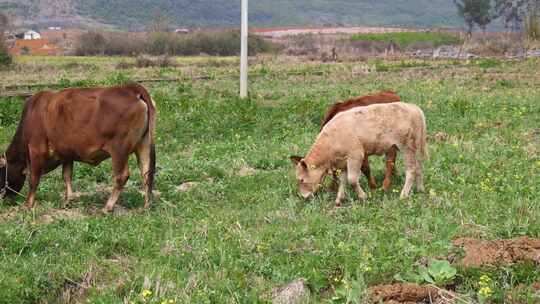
x=353, y=135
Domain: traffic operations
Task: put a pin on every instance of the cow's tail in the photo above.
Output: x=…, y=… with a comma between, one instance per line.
x=151, y=133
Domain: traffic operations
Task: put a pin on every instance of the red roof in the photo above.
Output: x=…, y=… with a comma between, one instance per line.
x=34, y=47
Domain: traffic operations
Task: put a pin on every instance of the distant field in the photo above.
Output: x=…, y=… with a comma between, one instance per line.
x=405, y=39
x=241, y=229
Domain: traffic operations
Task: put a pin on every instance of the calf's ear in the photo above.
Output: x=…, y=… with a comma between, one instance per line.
x=296, y=159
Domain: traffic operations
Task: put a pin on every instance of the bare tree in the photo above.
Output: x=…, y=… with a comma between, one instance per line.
x=160, y=22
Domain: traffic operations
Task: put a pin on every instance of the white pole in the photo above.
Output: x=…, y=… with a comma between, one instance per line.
x=244, y=52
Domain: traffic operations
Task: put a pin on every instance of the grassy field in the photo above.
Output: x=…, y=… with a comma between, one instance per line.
x=407, y=38
x=241, y=230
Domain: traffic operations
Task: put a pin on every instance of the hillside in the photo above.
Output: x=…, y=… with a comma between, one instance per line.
x=136, y=14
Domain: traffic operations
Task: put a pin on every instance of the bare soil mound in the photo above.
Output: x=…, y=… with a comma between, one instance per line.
x=498, y=252
x=410, y=294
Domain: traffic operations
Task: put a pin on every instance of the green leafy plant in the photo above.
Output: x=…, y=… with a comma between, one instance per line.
x=438, y=272
x=352, y=290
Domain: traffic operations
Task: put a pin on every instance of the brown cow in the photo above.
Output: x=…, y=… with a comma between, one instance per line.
x=84, y=125
x=379, y=98
x=355, y=134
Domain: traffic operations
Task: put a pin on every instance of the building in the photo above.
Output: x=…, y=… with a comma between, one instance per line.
x=183, y=31
x=40, y=47
x=31, y=35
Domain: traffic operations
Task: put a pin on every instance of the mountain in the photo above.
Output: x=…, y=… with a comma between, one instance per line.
x=138, y=14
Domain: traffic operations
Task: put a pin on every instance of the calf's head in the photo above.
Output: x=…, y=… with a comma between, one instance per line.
x=309, y=177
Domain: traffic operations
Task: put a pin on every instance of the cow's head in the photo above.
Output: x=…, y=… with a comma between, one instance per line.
x=12, y=175
x=309, y=177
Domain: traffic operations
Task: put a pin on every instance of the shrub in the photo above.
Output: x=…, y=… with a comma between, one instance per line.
x=91, y=44
x=225, y=43
x=110, y=44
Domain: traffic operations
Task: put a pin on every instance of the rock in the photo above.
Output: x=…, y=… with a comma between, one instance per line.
x=296, y=292
x=246, y=171
x=185, y=187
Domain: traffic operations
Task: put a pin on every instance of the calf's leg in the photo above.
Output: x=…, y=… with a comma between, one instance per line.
x=410, y=172
x=121, y=175
x=67, y=172
x=353, y=169
x=367, y=172
x=341, y=190
x=390, y=168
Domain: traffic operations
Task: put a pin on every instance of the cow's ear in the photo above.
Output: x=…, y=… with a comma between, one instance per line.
x=303, y=164
x=296, y=159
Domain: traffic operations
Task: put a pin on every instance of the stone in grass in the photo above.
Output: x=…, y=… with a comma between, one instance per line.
x=296, y=292
x=185, y=187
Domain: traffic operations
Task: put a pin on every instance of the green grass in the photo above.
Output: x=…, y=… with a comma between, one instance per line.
x=232, y=238
x=405, y=39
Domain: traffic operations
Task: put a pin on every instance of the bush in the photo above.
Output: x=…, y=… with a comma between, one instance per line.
x=225, y=43
x=110, y=44
x=91, y=44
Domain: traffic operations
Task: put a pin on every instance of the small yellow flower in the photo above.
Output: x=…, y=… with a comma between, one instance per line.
x=146, y=293
x=485, y=292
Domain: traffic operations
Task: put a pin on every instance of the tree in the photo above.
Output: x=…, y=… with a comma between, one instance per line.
x=475, y=12
x=5, y=57
x=514, y=12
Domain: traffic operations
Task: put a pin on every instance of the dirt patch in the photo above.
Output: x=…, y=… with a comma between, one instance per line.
x=246, y=171
x=498, y=252
x=410, y=294
x=293, y=293
x=61, y=214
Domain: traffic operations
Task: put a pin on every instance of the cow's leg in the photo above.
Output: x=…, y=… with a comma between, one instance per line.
x=410, y=172
x=419, y=176
x=121, y=175
x=67, y=172
x=354, y=166
x=143, y=153
x=367, y=172
x=341, y=190
x=36, y=168
x=390, y=168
